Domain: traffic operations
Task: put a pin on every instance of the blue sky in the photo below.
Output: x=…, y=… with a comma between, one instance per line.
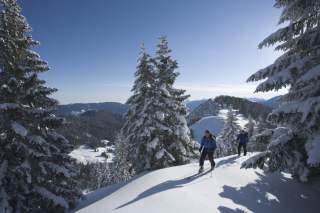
x=92, y=45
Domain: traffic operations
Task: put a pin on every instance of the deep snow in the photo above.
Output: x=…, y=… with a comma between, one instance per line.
x=228, y=189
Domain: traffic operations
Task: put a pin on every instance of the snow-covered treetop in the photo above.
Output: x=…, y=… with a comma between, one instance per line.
x=14, y=27
x=144, y=75
x=165, y=64
x=19, y=64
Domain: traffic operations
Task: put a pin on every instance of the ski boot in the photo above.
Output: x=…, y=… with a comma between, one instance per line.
x=201, y=169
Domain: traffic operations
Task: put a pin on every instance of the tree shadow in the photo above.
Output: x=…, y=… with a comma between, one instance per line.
x=224, y=209
x=272, y=193
x=227, y=161
x=164, y=186
x=102, y=193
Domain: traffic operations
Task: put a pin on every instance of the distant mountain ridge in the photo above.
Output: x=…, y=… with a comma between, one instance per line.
x=207, y=108
x=245, y=107
x=211, y=107
x=91, y=127
x=258, y=100
x=272, y=102
x=191, y=105
x=89, y=123
x=113, y=107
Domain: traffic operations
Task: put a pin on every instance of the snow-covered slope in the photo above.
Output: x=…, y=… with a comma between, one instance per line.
x=226, y=190
x=207, y=108
x=214, y=124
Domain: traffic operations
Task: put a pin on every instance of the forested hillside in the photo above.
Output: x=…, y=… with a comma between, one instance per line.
x=114, y=107
x=245, y=107
x=91, y=127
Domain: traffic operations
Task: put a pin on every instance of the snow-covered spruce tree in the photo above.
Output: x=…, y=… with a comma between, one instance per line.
x=174, y=146
x=156, y=128
x=141, y=129
x=251, y=129
x=36, y=173
x=295, y=144
x=227, y=140
x=121, y=168
x=261, y=136
x=95, y=175
x=262, y=125
x=250, y=126
x=260, y=141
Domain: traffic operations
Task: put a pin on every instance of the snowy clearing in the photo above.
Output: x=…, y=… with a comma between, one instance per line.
x=85, y=154
x=227, y=190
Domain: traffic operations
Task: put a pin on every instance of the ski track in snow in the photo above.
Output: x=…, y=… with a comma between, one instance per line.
x=228, y=189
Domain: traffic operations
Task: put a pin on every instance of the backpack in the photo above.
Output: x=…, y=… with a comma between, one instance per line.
x=214, y=141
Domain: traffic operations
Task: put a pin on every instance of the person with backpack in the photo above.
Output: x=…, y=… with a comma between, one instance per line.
x=207, y=148
x=243, y=139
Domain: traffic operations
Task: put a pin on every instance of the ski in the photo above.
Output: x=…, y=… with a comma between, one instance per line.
x=199, y=174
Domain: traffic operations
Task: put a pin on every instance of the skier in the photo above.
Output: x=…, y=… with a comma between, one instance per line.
x=207, y=148
x=243, y=140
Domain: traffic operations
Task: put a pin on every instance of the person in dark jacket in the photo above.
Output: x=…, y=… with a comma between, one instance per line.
x=207, y=148
x=243, y=139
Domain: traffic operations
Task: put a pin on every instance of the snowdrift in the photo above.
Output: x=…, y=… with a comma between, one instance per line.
x=226, y=190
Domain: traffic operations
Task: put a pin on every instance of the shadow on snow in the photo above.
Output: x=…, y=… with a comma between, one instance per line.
x=272, y=193
x=227, y=161
x=165, y=186
x=103, y=193
x=172, y=184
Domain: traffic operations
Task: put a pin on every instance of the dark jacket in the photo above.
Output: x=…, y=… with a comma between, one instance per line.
x=208, y=143
x=243, y=138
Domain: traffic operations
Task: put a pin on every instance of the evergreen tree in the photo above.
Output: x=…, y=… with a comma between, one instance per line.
x=36, y=173
x=262, y=125
x=251, y=129
x=174, y=147
x=260, y=141
x=261, y=136
x=250, y=126
x=295, y=144
x=156, y=129
x=140, y=128
x=227, y=140
x=122, y=167
x=95, y=175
